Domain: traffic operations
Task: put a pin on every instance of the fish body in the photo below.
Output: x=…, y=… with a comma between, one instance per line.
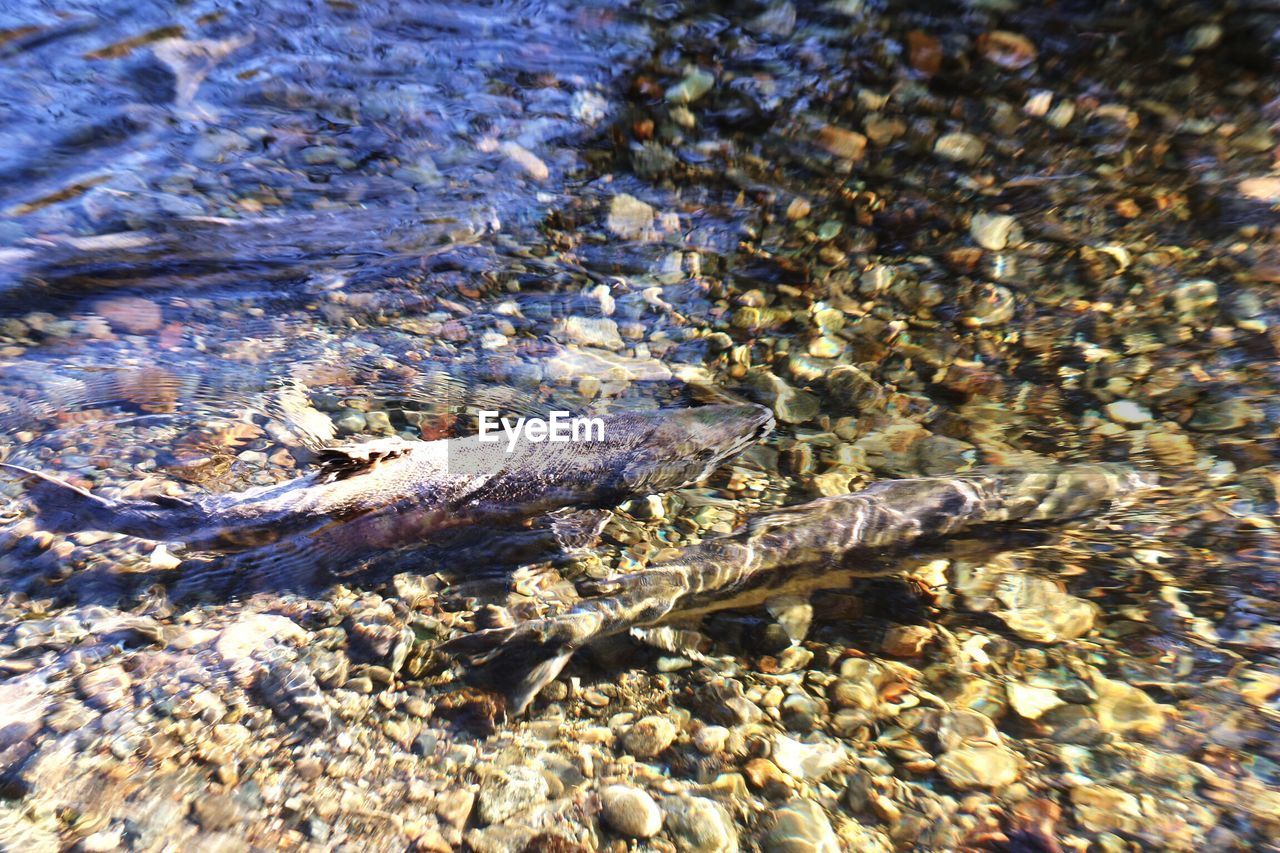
x=823, y=536
x=386, y=493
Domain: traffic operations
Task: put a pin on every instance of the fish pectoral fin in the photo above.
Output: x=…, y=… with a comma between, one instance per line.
x=672, y=639
x=341, y=461
x=517, y=662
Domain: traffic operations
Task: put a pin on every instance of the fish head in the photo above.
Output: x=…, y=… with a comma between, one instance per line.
x=684, y=446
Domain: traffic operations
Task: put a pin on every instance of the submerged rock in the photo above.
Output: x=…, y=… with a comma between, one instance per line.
x=700, y=825
x=630, y=218
x=980, y=765
x=630, y=811
x=649, y=737
x=1038, y=609
x=1122, y=708
x=509, y=792
x=800, y=826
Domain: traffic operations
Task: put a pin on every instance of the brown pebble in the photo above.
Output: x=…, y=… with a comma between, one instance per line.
x=924, y=52
x=132, y=315
x=906, y=641
x=848, y=144
x=309, y=769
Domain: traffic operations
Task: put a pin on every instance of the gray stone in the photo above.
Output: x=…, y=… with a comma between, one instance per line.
x=505, y=793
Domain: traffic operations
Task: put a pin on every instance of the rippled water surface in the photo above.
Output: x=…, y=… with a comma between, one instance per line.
x=930, y=237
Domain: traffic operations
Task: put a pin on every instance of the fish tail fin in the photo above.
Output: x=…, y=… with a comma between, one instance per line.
x=65, y=508
x=515, y=662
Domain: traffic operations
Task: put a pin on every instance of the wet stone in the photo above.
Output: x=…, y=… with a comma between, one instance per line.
x=694, y=85
x=806, y=760
x=1123, y=708
x=591, y=331
x=509, y=792
x=132, y=315
x=1031, y=702
x=630, y=218
x=980, y=765
x=800, y=826
x=1128, y=412
x=1039, y=610
x=630, y=811
x=960, y=147
x=649, y=737
x=215, y=812
x=699, y=825
x=993, y=231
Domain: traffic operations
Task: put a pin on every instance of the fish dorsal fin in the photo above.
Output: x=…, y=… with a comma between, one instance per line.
x=341, y=461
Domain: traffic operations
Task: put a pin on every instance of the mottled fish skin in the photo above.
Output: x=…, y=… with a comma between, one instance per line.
x=387, y=493
x=828, y=533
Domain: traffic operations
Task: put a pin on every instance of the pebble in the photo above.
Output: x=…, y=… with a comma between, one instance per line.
x=630, y=811
x=1102, y=808
x=649, y=737
x=906, y=641
x=959, y=147
x=1223, y=416
x=1038, y=609
x=695, y=84
x=963, y=726
x=800, y=826
x=528, y=162
x=454, y=807
x=1030, y=702
x=630, y=218
x=510, y=791
x=309, y=768
x=102, y=841
x=810, y=761
x=854, y=389
x=590, y=331
x=1195, y=300
x=798, y=208
x=980, y=765
x=1128, y=412
x=1123, y=708
x=710, y=740
x=242, y=638
x=992, y=231
x=1011, y=51
x=843, y=143
x=1061, y=115
x=132, y=315
x=105, y=688
x=1261, y=189
x=789, y=405
x=699, y=825
x=349, y=421
x=215, y=812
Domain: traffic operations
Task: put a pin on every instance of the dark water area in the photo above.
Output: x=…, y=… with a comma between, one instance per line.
x=929, y=237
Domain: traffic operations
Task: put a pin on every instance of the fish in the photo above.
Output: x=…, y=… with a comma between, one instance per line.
x=827, y=536
x=386, y=493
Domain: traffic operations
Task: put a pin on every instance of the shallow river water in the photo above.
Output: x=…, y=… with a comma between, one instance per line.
x=929, y=236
